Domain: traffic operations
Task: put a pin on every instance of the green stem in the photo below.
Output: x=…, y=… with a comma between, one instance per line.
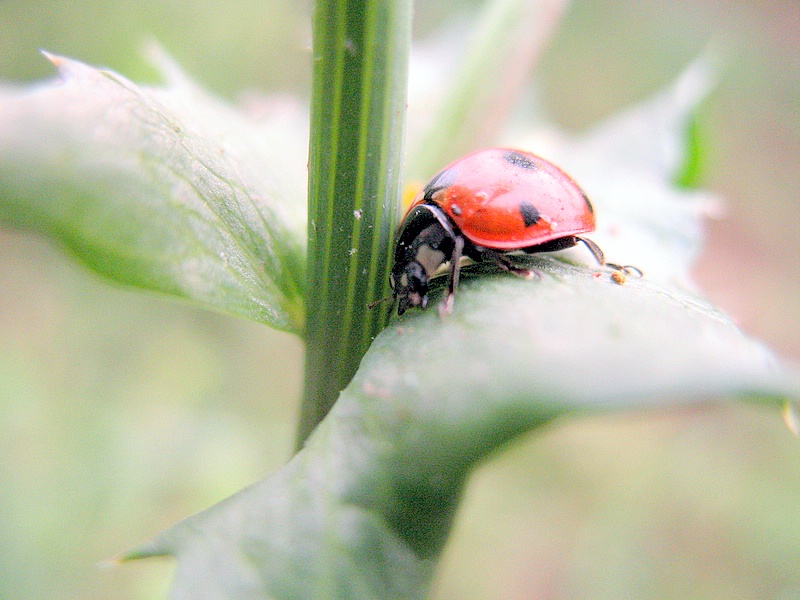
x=357, y=122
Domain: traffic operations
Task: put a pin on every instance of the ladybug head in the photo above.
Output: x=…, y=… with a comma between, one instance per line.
x=409, y=282
x=424, y=243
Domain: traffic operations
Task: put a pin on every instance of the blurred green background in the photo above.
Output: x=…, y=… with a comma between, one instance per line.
x=121, y=412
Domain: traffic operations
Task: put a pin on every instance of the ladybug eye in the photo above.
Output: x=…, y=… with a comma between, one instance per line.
x=415, y=276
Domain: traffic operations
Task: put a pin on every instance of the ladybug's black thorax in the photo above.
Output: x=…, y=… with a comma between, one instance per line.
x=425, y=242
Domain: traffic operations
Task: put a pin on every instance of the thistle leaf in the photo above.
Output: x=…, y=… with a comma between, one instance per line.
x=162, y=189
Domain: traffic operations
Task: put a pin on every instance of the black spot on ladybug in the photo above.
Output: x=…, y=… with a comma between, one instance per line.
x=441, y=182
x=530, y=215
x=588, y=204
x=520, y=160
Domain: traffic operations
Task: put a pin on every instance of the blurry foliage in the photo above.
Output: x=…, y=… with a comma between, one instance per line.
x=234, y=46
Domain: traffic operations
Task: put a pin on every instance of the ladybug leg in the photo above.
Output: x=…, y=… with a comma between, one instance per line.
x=622, y=270
x=597, y=252
x=446, y=307
x=505, y=263
x=631, y=270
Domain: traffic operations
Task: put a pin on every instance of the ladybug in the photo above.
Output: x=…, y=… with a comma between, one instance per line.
x=485, y=206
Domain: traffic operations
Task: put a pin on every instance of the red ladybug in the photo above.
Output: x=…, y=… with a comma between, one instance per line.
x=484, y=206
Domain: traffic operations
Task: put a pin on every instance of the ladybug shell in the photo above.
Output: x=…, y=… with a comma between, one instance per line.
x=509, y=200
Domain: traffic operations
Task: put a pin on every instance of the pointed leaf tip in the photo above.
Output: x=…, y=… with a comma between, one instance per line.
x=53, y=58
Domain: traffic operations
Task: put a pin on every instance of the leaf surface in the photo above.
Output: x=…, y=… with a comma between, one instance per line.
x=164, y=189
x=364, y=510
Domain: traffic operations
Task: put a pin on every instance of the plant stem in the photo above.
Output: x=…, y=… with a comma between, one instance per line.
x=357, y=123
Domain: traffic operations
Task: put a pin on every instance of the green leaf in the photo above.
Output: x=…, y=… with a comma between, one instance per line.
x=366, y=508
x=162, y=189
x=693, y=168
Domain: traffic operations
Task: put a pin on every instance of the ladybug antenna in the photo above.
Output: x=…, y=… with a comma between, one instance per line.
x=375, y=303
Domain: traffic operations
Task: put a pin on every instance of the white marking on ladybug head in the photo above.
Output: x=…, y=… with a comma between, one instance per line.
x=429, y=258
